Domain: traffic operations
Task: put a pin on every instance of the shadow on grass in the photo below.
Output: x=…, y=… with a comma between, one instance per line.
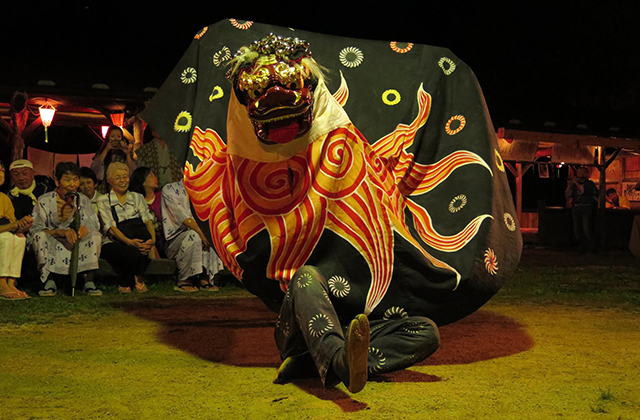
x=239, y=332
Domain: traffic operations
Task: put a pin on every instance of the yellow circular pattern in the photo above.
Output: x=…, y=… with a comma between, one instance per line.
x=391, y=92
x=461, y=119
x=183, y=122
x=499, y=162
x=217, y=93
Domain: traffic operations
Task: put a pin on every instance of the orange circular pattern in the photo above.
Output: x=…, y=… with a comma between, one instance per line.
x=461, y=119
x=394, y=47
x=238, y=25
x=202, y=32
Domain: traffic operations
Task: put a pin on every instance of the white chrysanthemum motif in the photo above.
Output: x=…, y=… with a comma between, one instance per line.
x=183, y=122
x=221, y=56
x=457, y=203
x=395, y=312
x=379, y=360
x=326, y=295
x=490, y=261
x=447, y=65
x=286, y=330
x=509, y=222
x=304, y=280
x=391, y=97
x=413, y=328
x=351, y=57
x=189, y=75
x=319, y=324
x=246, y=25
x=339, y=286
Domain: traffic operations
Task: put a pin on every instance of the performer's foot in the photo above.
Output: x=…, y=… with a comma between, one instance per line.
x=295, y=367
x=350, y=363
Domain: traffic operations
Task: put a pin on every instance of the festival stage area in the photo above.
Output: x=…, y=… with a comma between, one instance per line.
x=556, y=342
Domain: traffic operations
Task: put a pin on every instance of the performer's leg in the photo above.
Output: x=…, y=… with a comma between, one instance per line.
x=308, y=322
x=399, y=343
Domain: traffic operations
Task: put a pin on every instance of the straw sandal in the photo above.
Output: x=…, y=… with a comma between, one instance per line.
x=185, y=288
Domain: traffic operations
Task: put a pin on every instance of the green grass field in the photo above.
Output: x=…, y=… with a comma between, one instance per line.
x=556, y=342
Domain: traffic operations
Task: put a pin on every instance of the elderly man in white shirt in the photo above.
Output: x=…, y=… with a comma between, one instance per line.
x=186, y=243
x=128, y=228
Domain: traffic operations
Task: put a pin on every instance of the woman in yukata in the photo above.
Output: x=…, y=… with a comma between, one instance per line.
x=145, y=182
x=128, y=228
x=12, y=244
x=54, y=234
x=196, y=259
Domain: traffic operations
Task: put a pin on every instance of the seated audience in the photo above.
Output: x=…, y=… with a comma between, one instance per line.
x=145, y=182
x=155, y=154
x=88, y=185
x=197, y=261
x=12, y=245
x=62, y=218
x=27, y=187
x=615, y=201
x=128, y=228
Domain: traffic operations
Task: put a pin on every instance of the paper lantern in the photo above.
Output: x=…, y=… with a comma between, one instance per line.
x=47, y=111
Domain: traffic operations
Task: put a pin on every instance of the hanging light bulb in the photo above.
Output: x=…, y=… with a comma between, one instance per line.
x=47, y=111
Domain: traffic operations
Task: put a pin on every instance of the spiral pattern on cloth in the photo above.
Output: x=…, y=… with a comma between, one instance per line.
x=342, y=164
x=273, y=189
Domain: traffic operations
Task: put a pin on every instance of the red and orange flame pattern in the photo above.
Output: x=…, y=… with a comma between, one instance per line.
x=341, y=183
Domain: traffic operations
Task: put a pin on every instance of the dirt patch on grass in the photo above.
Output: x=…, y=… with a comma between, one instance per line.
x=239, y=332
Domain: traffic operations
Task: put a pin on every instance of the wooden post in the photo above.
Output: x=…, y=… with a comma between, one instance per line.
x=602, y=166
x=519, y=191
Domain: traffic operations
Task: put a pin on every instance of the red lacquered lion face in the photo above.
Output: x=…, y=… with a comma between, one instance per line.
x=275, y=79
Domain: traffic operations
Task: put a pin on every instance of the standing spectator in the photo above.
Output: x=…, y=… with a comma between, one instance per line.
x=615, y=201
x=62, y=218
x=12, y=245
x=88, y=185
x=116, y=148
x=584, y=197
x=156, y=155
x=144, y=181
x=197, y=261
x=128, y=228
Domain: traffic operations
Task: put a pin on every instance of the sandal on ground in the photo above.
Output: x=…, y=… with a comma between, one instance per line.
x=141, y=288
x=47, y=292
x=92, y=291
x=124, y=290
x=209, y=287
x=185, y=287
x=14, y=296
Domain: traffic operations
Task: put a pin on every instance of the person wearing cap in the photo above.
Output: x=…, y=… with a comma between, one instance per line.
x=27, y=187
x=12, y=245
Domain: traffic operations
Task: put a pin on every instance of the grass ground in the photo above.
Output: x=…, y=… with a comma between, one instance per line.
x=556, y=342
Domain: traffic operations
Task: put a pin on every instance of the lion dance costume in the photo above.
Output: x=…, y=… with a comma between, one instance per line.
x=366, y=216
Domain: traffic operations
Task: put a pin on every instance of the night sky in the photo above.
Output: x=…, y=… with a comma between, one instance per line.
x=564, y=61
